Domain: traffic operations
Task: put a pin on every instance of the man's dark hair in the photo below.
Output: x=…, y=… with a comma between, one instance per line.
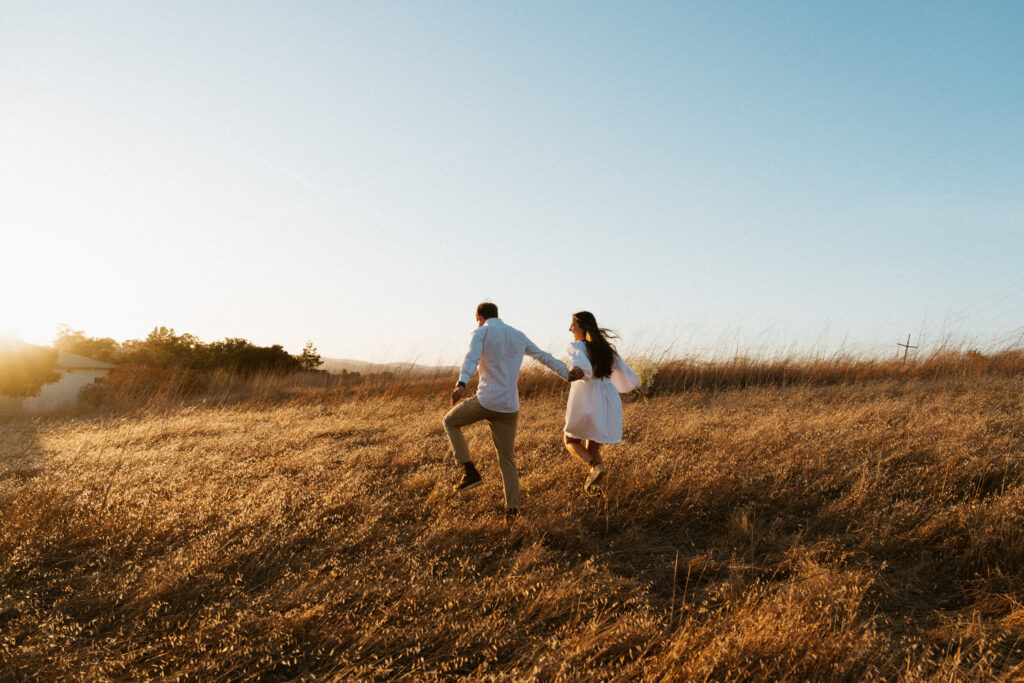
x=487, y=310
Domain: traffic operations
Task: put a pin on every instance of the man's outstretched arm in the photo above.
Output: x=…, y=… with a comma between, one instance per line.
x=535, y=352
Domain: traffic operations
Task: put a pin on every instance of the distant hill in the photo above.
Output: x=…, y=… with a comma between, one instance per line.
x=336, y=365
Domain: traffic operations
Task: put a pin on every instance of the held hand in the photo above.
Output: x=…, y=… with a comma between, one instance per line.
x=457, y=394
x=575, y=374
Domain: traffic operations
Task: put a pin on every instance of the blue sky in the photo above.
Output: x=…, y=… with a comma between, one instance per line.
x=707, y=176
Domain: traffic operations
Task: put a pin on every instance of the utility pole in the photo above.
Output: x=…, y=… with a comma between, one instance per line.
x=906, y=347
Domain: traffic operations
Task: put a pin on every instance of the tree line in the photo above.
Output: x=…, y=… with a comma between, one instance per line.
x=163, y=348
x=23, y=371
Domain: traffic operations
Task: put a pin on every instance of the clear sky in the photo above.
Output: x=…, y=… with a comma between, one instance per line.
x=813, y=176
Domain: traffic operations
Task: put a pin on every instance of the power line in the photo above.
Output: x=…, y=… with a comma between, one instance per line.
x=993, y=304
x=1009, y=312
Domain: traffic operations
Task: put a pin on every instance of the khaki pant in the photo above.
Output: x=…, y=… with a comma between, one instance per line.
x=503, y=433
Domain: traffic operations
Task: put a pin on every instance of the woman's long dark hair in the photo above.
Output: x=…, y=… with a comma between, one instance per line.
x=599, y=350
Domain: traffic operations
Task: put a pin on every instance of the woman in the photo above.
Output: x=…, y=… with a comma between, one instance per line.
x=593, y=416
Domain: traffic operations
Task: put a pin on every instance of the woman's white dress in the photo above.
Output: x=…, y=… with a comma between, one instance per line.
x=595, y=409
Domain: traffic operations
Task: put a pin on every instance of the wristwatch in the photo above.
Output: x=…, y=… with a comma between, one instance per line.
x=460, y=385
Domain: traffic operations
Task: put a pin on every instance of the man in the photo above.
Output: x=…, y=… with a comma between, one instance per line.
x=498, y=349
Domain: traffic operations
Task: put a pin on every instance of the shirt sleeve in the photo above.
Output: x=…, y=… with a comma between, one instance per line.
x=623, y=376
x=533, y=351
x=476, y=349
x=578, y=359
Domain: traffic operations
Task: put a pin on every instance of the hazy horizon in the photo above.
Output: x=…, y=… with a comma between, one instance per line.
x=922, y=342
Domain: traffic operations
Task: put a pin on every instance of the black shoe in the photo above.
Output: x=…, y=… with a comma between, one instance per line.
x=511, y=513
x=470, y=480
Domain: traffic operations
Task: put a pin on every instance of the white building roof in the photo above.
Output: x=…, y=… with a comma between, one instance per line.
x=71, y=361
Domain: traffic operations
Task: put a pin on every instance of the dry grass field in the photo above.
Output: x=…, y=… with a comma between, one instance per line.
x=867, y=525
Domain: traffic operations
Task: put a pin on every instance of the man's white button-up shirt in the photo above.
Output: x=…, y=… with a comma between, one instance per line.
x=498, y=349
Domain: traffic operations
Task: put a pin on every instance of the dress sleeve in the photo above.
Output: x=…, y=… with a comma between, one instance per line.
x=578, y=359
x=623, y=377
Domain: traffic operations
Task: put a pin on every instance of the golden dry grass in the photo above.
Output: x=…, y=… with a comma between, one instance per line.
x=870, y=529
